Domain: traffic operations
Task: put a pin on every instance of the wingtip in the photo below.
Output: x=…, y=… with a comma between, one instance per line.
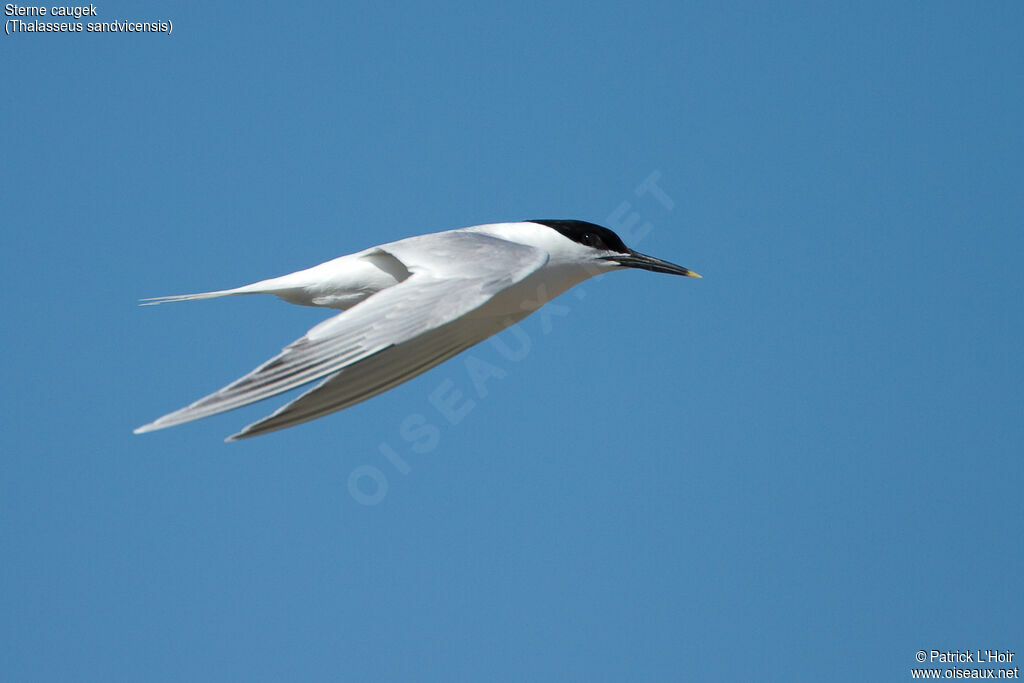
x=151, y=427
x=257, y=428
x=239, y=436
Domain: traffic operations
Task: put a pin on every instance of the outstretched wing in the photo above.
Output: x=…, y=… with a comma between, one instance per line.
x=453, y=273
x=376, y=374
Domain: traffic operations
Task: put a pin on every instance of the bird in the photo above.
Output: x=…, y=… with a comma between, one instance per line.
x=408, y=306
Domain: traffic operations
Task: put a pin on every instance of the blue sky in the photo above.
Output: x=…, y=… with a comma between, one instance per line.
x=806, y=465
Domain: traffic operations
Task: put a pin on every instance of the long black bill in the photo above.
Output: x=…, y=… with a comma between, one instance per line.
x=635, y=259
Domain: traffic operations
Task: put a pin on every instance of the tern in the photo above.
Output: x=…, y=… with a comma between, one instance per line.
x=408, y=306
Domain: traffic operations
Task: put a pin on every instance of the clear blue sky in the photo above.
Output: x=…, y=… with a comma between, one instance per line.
x=806, y=466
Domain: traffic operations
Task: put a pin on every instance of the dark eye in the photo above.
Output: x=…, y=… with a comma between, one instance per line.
x=590, y=239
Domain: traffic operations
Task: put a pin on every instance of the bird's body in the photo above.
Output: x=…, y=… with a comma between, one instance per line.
x=408, y=306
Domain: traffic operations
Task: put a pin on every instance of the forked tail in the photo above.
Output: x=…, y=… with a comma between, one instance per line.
x=190, y=297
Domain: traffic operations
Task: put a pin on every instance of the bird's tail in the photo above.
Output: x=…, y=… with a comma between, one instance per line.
x=192, y=297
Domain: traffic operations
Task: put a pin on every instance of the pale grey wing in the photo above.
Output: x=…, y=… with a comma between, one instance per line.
x=376, y=374
x=478, y=267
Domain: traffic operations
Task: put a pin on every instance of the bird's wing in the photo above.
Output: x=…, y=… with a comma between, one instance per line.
x=453, y=273
x=376, y=374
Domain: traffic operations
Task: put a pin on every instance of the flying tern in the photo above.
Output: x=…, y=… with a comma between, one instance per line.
x=408, y=306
